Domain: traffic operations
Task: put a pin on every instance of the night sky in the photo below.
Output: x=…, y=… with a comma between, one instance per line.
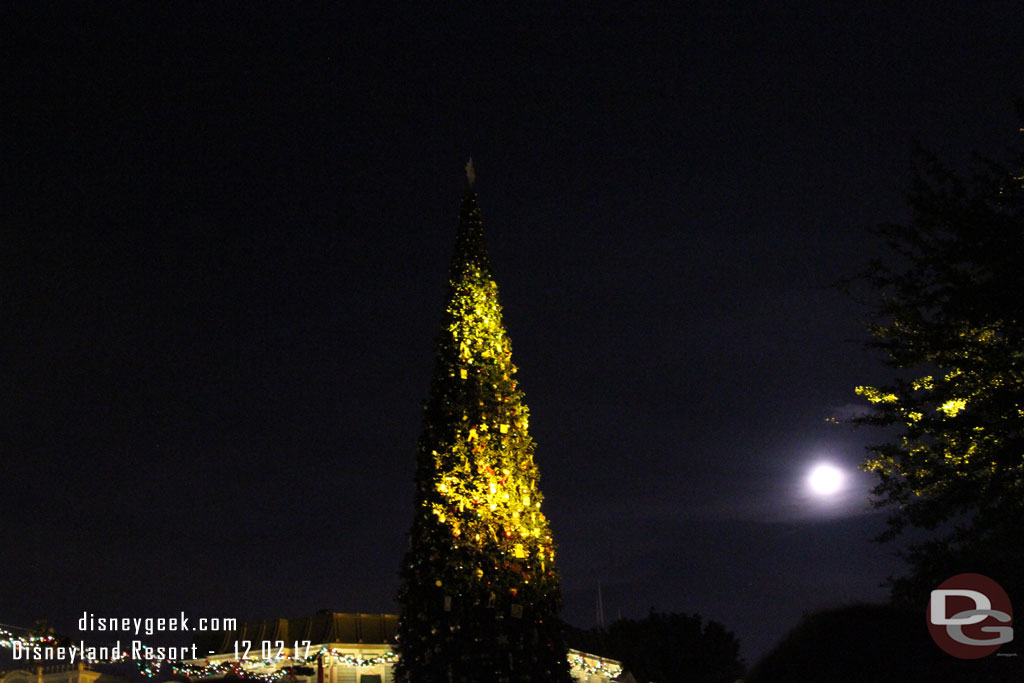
x=226, y=234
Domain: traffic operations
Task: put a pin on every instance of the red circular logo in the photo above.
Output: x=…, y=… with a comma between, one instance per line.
x=969, y=616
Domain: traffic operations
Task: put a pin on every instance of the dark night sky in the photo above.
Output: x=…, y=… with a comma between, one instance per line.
x=226, y=233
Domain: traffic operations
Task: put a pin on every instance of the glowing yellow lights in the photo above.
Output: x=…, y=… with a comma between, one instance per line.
x=926, y=383
x=591, y=666
x=953, y=406
x=873, y=395
x=463, y=373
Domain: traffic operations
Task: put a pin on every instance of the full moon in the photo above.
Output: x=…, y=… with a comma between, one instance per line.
x=825, y=479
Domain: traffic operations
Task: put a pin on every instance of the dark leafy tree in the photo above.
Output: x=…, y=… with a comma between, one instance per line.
x=949, y=317
x=480, y=589
x=876, y=643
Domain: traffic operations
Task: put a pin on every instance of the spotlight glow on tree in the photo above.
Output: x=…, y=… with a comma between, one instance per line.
x=480, y=594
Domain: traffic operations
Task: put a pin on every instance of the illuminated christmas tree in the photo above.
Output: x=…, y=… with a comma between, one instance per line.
x=480, y=593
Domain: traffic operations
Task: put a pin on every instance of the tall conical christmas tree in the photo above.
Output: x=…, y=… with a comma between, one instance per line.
x=480, y=589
